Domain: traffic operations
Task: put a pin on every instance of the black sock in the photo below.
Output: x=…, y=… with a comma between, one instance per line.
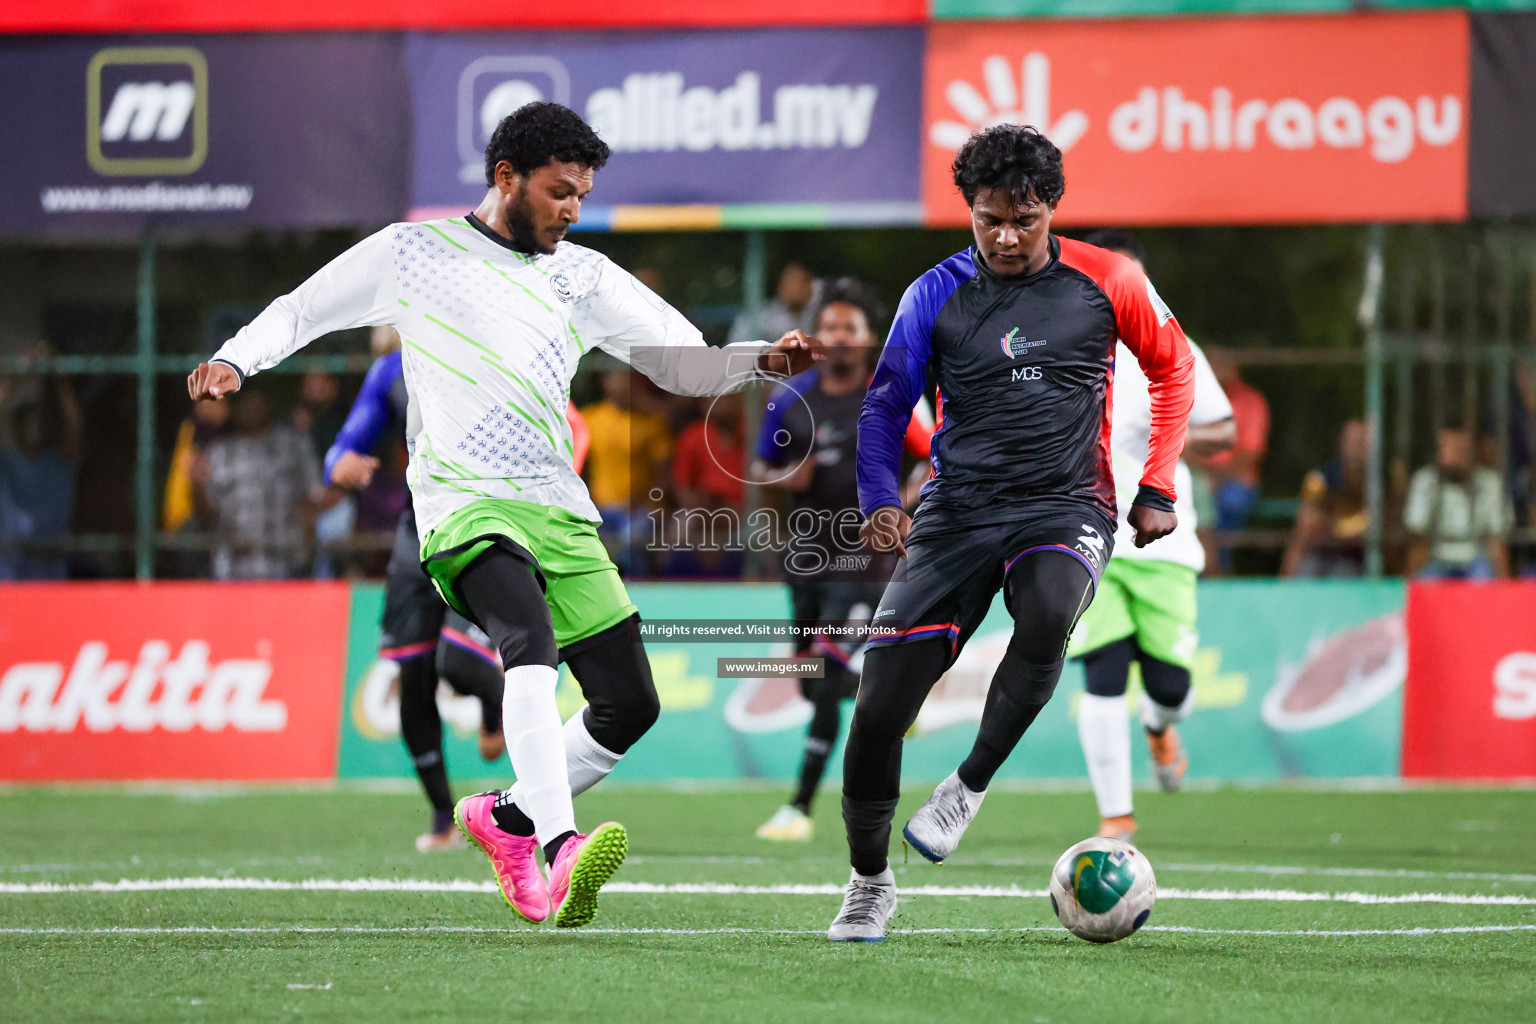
x=442, y=821
x=869, y=833
x=434, y=779
x=552, y=848
x=510, y=818
x=812, y=768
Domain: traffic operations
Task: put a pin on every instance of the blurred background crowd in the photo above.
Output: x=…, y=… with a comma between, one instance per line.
x=242, y=494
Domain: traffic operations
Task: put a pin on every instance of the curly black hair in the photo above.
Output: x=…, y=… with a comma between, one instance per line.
x=1120, y=241
x=534, y=134
x=855, y=293
x=1015, y=158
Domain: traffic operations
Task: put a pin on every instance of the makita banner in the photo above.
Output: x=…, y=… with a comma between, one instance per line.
x=170, y=680
x=772, y=116
x=107, y=135
x=1216, y=121
x=1470, y=707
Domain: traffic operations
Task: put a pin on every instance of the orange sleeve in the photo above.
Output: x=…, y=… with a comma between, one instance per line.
x=1150, y=331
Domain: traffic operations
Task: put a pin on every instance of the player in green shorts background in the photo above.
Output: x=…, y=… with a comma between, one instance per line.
x=494, y=311
x=1144, y=610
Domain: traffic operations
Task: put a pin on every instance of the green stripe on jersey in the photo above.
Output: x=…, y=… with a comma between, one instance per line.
x=457, y=373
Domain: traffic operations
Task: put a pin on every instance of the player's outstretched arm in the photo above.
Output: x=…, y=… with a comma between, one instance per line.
x=1149, y=330
x=626, y=319
x=356, y=289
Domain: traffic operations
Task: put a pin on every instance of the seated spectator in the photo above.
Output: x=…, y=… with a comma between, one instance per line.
x=1234, y=474
x=260, y=486
x=1458, y=514
x=37, y=480
x=1329, y=538
x=790, y=309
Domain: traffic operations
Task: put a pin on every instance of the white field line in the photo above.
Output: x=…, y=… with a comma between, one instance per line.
x=1278, y=870
x=471, y=930
x=729, y=889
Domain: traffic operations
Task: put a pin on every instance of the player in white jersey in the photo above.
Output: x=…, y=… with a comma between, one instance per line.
x=1144, y=611
x=494, y=310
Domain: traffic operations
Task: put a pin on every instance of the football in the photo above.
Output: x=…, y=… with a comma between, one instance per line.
x=1103, y=889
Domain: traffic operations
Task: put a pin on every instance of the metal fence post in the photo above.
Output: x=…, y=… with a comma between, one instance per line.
x=144, y=369
x=1370, y=320
x=754, y=284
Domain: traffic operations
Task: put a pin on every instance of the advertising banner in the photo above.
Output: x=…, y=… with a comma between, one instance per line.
x=1470, y=708
x=170, y=681
x=1293, y=679
x=110, y=135
x=1216, y=121
x=1503, y=129
x=287, y=15
x=770, y=116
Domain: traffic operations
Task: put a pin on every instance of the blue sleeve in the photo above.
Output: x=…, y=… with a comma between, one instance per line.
x=899, y=380
x=370, y=414
x=779, y=401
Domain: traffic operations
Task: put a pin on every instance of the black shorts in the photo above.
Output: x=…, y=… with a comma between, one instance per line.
x=839, y=604
x=945, y=585
x=413, y=611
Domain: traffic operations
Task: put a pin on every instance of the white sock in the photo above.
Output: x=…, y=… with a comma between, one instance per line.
x=1105, y=730
x=587, y=762
x=1158, y=717
x=531, y=722
x=886, y=877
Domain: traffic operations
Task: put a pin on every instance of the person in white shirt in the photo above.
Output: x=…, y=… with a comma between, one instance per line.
x=1144, y=610
x=1458, y=514
x=494, y=310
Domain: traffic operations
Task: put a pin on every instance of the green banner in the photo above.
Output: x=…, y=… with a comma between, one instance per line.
x=960, y=9
x=1292, y=679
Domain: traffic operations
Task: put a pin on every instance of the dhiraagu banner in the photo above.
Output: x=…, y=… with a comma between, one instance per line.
x=1292, y=679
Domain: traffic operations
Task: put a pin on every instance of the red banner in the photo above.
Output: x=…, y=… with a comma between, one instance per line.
x=171, y=680
x=1469, y=710
x=289, y=15
x=1216, y=120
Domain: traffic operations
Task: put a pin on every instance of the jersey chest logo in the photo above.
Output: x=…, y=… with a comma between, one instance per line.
x=1015, y=345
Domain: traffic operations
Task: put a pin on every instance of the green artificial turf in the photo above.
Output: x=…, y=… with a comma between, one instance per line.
x=978, y=958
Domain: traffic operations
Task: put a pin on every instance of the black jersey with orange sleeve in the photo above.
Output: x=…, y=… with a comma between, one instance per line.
x=1025, y=366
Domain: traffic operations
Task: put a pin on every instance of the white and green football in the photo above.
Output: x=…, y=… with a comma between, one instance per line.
x=1103, y=889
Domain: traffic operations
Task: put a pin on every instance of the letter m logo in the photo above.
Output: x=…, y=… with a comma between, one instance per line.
x=146, y=111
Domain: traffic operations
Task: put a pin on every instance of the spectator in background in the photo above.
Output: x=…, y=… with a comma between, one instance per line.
x=319, y=416
x=260, y=484
x=630, y=447
x=180, y=514
x=707, y=470
x=1329, y=538
x=1233, y=475
x=790, y=309
x=1522, y=452
x=37, y=478
x=1458, y=514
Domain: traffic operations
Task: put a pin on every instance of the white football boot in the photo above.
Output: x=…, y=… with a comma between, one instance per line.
x=935, y=830
x=869, y=902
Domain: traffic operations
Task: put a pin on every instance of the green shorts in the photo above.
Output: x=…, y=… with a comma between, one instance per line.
x=1152, y=601
x=581, y=585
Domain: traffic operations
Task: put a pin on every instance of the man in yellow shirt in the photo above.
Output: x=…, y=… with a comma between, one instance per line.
x=630, y=447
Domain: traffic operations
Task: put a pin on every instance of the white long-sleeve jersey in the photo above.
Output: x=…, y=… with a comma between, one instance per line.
x=1129, y=433
x=490, y=340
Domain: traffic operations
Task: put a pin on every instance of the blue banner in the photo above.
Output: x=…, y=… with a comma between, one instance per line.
x=111, y=135
x=714, y=118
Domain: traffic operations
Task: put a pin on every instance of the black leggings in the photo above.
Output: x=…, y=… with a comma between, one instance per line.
x=505, y=596
x=1046, y=592
x=615, y=677
x=421, y=724
x=1108, y=668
